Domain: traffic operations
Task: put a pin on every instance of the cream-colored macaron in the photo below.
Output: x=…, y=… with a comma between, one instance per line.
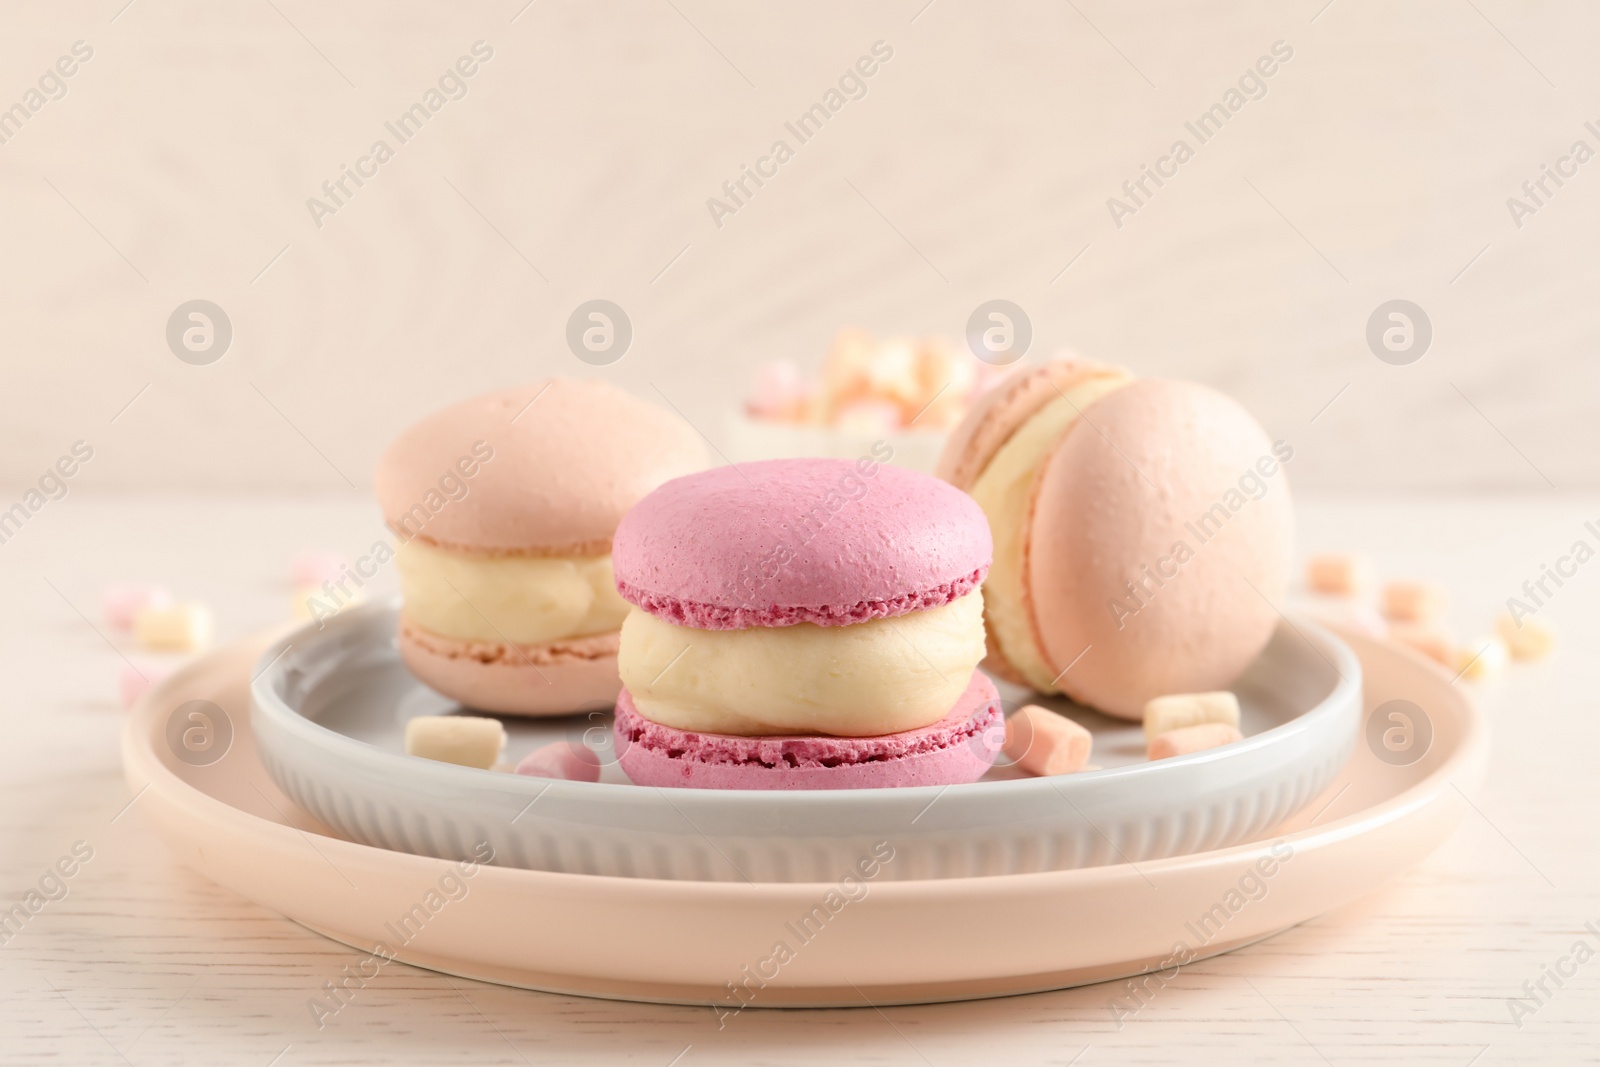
x=503, y=507
x=1143, y=532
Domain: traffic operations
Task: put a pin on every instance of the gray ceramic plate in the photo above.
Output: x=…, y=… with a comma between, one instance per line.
x=329, y=710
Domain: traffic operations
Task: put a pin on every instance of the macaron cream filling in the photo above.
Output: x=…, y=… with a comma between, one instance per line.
x=1004, y=490
x=526, y=600
x=865, y=679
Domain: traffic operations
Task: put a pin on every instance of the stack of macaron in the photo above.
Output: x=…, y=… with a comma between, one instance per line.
x=804, y=624
x=503, y=507
x=1142, y=532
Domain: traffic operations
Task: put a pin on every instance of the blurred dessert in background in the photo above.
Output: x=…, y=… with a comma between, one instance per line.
x=906, y=392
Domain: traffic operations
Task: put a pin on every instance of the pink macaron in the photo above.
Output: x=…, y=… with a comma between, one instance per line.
x=958, y=748
x=1155, y=532
x=503, y=506
x=844, y=551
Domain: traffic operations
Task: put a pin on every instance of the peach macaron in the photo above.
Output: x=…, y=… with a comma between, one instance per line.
x=503, y=508
x=1143, y=532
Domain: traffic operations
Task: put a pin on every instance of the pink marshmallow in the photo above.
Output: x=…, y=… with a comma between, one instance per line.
x=563, y=759
x=1044, y=743
x=777, y=385
x=122, y=602
x=314, y=566
x=134, y=682
x=1415, y=601
x=1432, y=640
x=1338, y=574
x=780, y=394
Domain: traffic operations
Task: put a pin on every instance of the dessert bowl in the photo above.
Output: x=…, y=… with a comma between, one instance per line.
x=329, y=708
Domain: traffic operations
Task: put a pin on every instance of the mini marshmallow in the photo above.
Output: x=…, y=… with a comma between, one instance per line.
x=1415, y=601
x=1338, y=574
x=122, y=601
x=134, y=682
x=565, y=760
x=1187, y=739
x=465, y=740
x=945, y=376
x=1530, y=638
x=1430, y=639
x=180, y=628
x=1483, y=659
x=860, y=366
x=1044, y=743
x=1164, y=714
x=315, y=566
x=779, y=393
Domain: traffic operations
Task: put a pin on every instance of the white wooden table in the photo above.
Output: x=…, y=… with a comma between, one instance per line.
x=144, y=962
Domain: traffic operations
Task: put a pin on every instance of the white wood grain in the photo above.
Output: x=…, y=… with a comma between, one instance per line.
x=978, y=165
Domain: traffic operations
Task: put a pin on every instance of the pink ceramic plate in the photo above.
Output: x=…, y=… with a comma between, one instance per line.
x=189, y=749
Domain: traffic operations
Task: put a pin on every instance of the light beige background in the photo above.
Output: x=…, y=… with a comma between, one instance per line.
x=978, y=165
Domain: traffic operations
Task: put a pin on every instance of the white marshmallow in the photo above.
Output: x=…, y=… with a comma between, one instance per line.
x=179, y=628
x=1483, y=659
x=1531, y=638
x=466, y=740
x=1189, y=709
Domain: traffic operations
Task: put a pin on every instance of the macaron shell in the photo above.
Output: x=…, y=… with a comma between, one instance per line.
x=569, y=458
x=997, y=413
x=556, y=679
x=1121, y=493
x=961, y=747
x=826, y=541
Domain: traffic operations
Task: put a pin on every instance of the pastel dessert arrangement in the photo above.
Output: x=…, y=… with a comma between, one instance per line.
x=816, y=623
x=804, y=624
x=503, y=508
x=819, y=623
